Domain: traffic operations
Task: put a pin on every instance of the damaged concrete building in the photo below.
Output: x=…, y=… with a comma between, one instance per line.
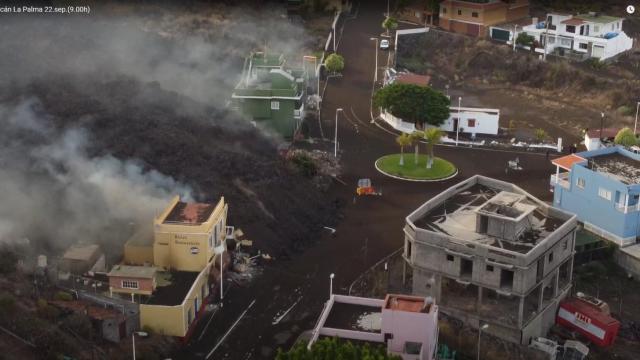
x=490, y=253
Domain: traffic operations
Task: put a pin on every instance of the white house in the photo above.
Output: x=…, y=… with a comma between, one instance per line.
x=407, y=325
x=590, y=35
x=469, y=120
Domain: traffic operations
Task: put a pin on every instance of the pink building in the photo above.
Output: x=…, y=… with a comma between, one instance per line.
x=407, y=325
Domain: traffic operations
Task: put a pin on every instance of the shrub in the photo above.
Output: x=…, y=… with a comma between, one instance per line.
x=8, y=261
x=334, y=63
x=524, y=39
x=625, y=137
x=540, y=135
x=305, y=165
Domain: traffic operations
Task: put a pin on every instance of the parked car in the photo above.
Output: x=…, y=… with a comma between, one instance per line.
x=384, y=44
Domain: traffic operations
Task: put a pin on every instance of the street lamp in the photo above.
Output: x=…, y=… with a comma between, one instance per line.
x=635, y=126
x=331, y=284
x=375, y=73
x=459, y=119
x=483, y=327
x=446, y=87
x=515, y=31
x=335, y=139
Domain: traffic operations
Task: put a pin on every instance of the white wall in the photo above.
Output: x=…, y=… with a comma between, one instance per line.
x=486, y=122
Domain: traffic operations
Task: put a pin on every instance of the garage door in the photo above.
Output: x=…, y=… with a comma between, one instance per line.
x=500, y=34
x=473, y=29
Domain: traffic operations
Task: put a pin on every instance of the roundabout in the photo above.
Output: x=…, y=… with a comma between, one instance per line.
x=440, y=170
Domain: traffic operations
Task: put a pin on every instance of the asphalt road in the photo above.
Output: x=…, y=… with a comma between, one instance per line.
x=251, y=324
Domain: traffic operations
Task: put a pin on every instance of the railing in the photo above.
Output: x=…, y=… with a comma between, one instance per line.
x=297, y=113
x=562, y=180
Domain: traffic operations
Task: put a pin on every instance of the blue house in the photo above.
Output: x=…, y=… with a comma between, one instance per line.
x=602, y=187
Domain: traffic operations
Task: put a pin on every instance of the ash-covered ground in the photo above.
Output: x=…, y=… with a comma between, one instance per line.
x=105, y=117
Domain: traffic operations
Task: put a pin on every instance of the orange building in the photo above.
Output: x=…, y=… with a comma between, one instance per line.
x=474, y=17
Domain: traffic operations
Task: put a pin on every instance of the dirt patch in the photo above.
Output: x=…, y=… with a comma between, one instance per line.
x=557, y=95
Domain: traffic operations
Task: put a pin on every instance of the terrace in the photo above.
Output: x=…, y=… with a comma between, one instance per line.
x=616, y=166
x=189, y=213
x=172, y=288
x=467, y=215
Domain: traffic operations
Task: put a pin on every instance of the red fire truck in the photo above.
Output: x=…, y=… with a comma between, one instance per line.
x=588, y=320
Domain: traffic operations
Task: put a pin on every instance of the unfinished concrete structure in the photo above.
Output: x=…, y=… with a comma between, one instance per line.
x=490, y=253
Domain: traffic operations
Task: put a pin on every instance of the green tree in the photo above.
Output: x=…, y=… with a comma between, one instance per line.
x=540, y=135
x=389, y=23
x=432, y=136
x=625, y=137
x=334, y=63
x=413, y=103
x=416, y=136
x=403, y=140
x=524, y=39
x=333, y=348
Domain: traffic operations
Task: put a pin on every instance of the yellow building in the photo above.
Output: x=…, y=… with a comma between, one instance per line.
x=186, y=239
x=187, y=235
x=474, y=17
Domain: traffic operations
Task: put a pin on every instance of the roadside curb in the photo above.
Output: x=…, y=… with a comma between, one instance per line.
x=414, y=180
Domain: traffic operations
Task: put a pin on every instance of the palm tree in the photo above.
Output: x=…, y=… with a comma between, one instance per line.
x=415, y=140
x=403, y=140
x=432, y=136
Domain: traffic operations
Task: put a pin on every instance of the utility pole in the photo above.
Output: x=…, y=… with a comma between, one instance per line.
x=546, y=38
x=635, y=126
x=375, y=73
x=515, y=32
x=601, y=126
x=459, y=119
x=335, y=140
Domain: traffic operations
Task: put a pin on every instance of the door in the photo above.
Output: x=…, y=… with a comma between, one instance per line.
x=473, y=29
x=455, y=124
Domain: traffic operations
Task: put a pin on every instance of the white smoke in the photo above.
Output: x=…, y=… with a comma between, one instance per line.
x=52, y=191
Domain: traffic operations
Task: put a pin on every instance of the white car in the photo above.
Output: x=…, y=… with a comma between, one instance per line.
x=384, y=44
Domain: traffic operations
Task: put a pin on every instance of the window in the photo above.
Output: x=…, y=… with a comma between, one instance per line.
x=459, y=12
x=506, y=279
x=444, y=10
x=604, y=193
x=490, y=268
x=412, y=348
x=580, y=183
x=571, y=29
x=129, y=284
x=474, y=14
x=449, y=257
x=471, y=122
x=583, y=46
x=550, y=257
x=275, y=105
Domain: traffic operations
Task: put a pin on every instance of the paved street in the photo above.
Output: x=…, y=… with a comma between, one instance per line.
x=371, y=228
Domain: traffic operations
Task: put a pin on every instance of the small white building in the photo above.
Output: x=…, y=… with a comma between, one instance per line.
x=465, y=120
x=590, y=35
x=407, y=325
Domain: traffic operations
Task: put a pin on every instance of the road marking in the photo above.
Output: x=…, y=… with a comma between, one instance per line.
x=229, y=331
x=207, y=326
x=277, y=321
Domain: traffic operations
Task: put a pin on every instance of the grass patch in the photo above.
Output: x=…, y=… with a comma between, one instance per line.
x=390, y=164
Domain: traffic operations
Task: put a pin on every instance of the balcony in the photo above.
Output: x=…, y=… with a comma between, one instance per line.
x=561, y=179
x=299, y=113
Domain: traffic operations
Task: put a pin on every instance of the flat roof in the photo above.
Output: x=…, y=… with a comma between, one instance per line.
x=456, y=216
x=81, y=252
x=573, y=21
x=415, y=79
x=566, y=162
x=172, y=287
x=141, y=272
x=356, y=317
x=189, y=213
x=89, y=309
x=601, y=19
x=616, y=166
x=407, y=303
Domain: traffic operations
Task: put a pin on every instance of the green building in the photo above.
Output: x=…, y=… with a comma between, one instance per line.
x=271, y=94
